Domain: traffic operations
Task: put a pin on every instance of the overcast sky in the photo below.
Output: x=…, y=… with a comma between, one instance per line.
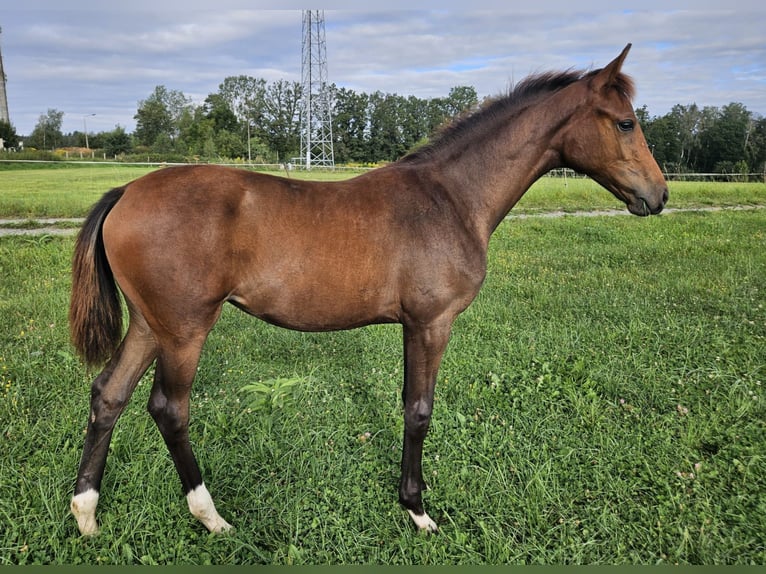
x=87, y=57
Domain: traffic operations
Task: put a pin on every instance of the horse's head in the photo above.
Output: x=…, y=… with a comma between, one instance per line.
x=604, y=140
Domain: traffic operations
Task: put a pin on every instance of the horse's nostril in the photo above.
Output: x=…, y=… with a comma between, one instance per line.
x=665, y=196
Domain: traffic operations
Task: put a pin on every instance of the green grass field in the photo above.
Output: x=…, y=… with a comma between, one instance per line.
x=602, y=402
x=68, y=190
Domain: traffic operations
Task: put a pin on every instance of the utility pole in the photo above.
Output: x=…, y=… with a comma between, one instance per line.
x=85, y=128
x=316, y=131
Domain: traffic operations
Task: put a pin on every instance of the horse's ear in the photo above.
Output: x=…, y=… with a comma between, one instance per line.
x=606, y=77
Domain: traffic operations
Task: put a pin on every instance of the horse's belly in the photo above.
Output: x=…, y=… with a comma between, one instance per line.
x=305, y=305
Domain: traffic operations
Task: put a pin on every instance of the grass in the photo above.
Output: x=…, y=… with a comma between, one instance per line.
x=580, y=194
x=69, y=190
x=602, y=402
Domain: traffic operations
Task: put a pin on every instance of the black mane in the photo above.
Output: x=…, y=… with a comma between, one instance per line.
x=523, y=94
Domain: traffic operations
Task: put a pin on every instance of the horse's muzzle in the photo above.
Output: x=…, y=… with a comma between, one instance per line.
x=643, y=206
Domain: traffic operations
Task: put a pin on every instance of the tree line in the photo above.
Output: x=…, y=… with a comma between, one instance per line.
x=251, y=119
x=730, y=139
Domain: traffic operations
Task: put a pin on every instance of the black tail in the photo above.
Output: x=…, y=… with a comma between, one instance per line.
x=95, y=313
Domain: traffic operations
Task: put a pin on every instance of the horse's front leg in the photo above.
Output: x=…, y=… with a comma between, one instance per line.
x=423, y=349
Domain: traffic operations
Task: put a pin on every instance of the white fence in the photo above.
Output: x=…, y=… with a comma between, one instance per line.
x=670, y=176
x=562, y=173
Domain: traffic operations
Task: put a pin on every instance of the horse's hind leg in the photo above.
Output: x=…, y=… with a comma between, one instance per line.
x=110, y=393
x=169, y=406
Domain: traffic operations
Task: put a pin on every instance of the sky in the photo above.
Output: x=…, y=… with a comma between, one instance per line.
x=85, y=57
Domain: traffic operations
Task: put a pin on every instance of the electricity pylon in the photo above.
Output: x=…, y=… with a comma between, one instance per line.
x=4, y=116
x=316, y=131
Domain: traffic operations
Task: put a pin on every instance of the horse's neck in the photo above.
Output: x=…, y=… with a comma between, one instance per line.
x=493, y=173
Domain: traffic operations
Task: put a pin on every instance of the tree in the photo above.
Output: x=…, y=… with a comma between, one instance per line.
x=662, y=138
x=249, y=112
x=246, y=98
x=414, y=119
x=723, y=140
x=281, y=129
x=152, y=118
x=160, y=115
x=8, y=135
x=218, y=110
x=349, y=117
x=47, y=132
x=644, y=119
x=385, y=135
x=230, y=144
x=117, y=142
x=688, y=120
x=755, y=146
x=460, y=99
x=383, y=127
x=197, y=134
x=712, y=140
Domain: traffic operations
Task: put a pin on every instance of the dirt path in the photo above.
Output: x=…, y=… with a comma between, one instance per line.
x=40, y=226
x=52, y=226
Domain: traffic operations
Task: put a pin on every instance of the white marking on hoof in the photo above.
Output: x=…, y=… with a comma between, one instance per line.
x=83, y=506
x=202, y=508
x=423, y=522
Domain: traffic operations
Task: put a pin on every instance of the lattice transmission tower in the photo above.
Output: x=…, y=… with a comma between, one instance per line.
x=316, y=131
x=4, y=116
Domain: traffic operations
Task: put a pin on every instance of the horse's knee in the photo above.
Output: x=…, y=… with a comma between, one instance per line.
x=166, y=417
x=105, y=408
x=156, y=406
x=417, y=416
x=170, y=417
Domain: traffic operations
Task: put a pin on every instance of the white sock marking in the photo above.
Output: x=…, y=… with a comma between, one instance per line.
x=423, y=521
x=202, y=508
x=83, y=506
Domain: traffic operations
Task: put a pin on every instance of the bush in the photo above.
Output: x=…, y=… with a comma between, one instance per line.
x=31, y=154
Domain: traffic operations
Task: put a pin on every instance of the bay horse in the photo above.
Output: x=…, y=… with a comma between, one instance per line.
x=405, y=243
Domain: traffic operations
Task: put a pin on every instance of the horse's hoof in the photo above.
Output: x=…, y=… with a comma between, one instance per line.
x=83, y=507
x=423, y=522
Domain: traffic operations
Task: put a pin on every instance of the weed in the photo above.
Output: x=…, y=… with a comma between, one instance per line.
x=271, y=395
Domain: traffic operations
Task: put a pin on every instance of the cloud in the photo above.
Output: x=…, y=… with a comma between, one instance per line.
x=86, y=57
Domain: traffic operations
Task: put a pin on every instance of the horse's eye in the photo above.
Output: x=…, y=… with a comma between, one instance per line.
x=625, y=125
